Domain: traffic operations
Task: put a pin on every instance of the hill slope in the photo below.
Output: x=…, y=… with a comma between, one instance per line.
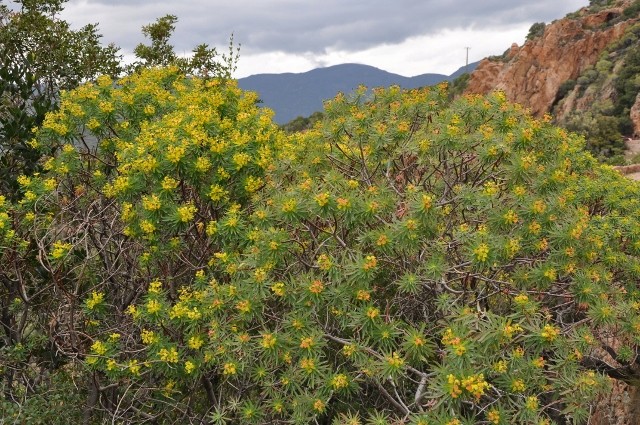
x=291, y=95
x=583, y=68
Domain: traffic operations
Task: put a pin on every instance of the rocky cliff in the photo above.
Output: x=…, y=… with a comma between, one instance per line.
x=635, y=117
x=533, y=74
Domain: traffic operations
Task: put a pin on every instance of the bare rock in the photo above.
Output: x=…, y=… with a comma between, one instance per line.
x=532, y=74
x=635, y=116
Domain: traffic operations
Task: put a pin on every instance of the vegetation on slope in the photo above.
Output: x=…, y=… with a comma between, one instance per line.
x=609, y=90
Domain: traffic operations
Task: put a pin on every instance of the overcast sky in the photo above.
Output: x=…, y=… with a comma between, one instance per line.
x=408, y=37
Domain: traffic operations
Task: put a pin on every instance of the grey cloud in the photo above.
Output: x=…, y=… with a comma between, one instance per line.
x=298, y=26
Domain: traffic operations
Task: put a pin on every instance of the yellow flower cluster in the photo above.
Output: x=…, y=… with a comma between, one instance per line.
x=474, y=385
x=521, y=299
x=549, y=333
x=278, y=288
x=316, y=287
x=169, y=356
x=186, y=213
x=308, y=365
x=518, y=385
x=153, y=306
x=324, y=262
x=148, y=337
x=510, y=217
x=149, y=203
x=531, y=403
x=493, y=416
x=322, y=199
x=95, y=300
x=370, y=263
x=99, y=348
x=229, y=369
x=510, y=330
x=195, y=342
x=319, y=405
x=268, y=341
x=394, y=360
x=189, y=366
x=453, y=341
x=339, y=381
x=481, y=252
x=60, y=249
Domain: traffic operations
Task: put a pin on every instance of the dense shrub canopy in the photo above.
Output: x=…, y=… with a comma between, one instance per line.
x=408, y=259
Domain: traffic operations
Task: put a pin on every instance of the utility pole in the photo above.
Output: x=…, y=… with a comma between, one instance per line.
x=466, y=66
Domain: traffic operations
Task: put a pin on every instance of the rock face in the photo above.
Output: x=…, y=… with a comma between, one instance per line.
x=620, y=407
x=532, y=74
x=635, y=117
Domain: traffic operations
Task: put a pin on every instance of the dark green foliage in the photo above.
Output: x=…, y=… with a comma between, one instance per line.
x=303, y=123
x=600, y=2
x=23, y=108
x=160, y=52
x=565, y=88
x=595, y=5
x=459, y=85
x=601, y=132
x=205, y=61
x=536, y=30
x=632, y=10
x=588, y=77
x=627, y=84
x=58, y=401
x=39, y=56
x=605, y=124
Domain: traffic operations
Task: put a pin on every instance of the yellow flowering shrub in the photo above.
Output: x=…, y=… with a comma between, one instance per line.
x=408, y=258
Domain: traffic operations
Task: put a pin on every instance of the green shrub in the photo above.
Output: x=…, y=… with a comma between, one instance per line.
x=408, y=259
x=536, y=30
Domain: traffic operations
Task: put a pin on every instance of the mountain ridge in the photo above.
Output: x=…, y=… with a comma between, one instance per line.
x=291, y=95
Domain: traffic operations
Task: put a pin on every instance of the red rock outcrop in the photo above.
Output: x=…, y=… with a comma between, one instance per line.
x=635, y=116
x=532, y=74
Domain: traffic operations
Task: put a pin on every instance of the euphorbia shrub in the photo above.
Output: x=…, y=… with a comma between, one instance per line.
x=138, y=173
x=435, y=263
x=409, y=260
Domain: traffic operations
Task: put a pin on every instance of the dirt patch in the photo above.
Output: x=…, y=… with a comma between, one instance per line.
x=634, y=176
x=633, y=148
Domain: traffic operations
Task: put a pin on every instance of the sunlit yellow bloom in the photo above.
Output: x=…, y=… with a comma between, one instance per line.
x=481, y=252
x=134, y=367
x=151, y=202
x=518, y=385
x=186, y=213
x=169, y=356
x=60, y=249
x=147, y=227
x=394, y=360
x=229, y=369
x=96, y=299
x=195, y=342
x=99, y=348
x=153, y=306
x=549, y=333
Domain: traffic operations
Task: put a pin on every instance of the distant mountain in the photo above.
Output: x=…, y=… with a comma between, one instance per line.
x=292, y=95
